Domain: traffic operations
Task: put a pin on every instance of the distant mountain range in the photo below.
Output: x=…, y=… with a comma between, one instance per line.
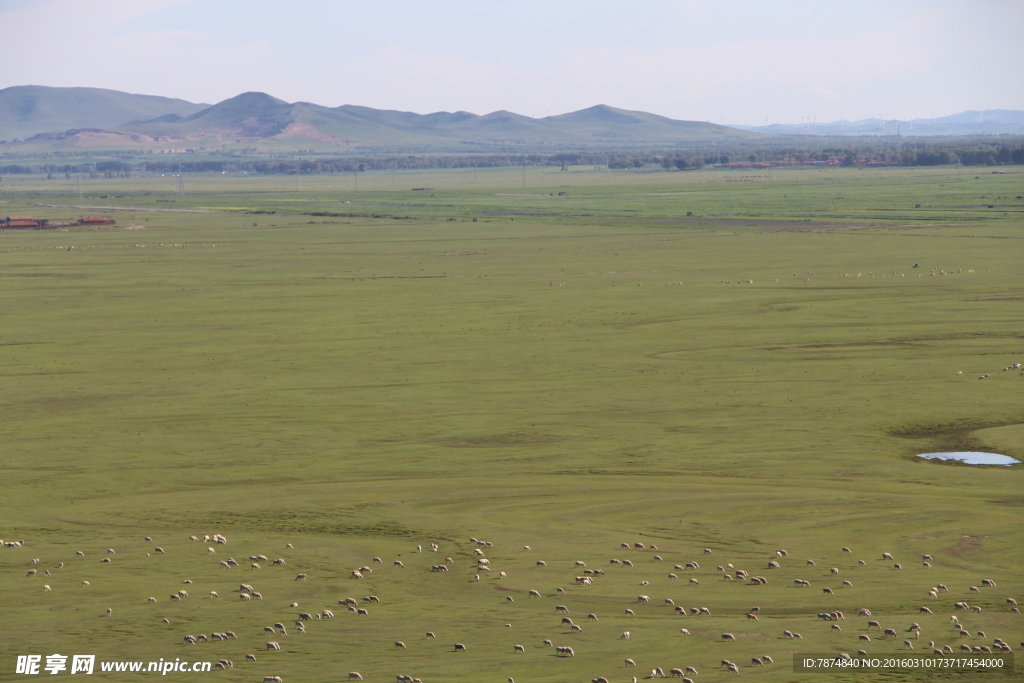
x=75, y=118
x=37, y=118
x=988, y=122
x=26, y=110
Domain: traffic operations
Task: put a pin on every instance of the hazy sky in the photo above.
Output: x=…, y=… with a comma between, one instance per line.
x=737, y=61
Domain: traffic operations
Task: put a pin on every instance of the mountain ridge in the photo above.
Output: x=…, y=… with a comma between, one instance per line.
x=42, y=118
x=259, y=118
x=26, y=110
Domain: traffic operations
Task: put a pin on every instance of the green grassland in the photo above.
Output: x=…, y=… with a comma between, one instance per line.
x=742, y=362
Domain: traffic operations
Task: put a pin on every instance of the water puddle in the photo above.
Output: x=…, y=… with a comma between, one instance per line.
x=972, y=458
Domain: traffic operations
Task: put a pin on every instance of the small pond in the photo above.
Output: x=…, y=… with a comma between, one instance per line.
x=973, y=458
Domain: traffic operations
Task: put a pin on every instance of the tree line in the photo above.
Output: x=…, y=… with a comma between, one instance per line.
x=779, y=150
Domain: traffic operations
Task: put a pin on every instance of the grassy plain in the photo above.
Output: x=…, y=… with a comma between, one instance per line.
x=488, y=359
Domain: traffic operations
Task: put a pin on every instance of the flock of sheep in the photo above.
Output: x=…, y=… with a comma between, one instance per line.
x=647, y=560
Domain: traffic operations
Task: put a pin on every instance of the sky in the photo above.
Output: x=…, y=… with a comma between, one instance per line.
x=725, y=61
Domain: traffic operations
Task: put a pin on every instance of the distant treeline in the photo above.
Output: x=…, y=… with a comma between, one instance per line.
x=775, y=151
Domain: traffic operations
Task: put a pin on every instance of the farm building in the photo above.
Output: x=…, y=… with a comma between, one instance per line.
x=23, y=223
x=96, y=220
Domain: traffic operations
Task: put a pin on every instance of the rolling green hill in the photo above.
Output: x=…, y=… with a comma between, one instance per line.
x=26, y=110
x=255, y=118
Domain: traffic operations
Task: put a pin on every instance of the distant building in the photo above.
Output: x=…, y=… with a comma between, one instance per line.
x=96, y=220
x=23, y=223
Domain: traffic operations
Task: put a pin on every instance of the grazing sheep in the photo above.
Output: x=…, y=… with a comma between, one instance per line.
x=886, y=556
x=810, y=563
x=728, y=636
x=399, y=645
x=847, y=584
x=46, y=588
x=273, y=645
x=213, y=594
x=592, y=617
x=752, y=617
x=629, y=612
x=508, y=598
x=624, y=636
x=354, y=676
